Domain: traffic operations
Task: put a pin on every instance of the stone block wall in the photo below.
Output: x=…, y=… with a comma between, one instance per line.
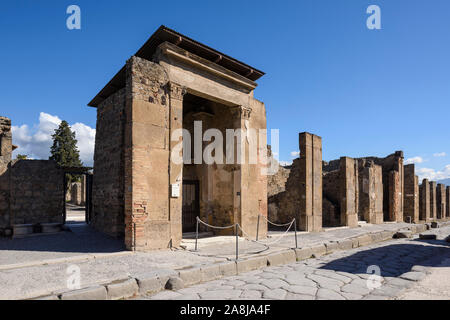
x=310, y=182
x=370, y=192
x=411, y=195
x=424, y=201
x=37, y=192
x=108, y=181
x=5, y=160
x=447, y=196
x=433, y=200
x=441, y=201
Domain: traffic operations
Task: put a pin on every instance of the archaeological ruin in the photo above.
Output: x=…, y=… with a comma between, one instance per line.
x=171, y=99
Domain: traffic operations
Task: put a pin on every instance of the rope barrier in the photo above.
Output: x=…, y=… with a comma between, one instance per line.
x=275, y=224
x=238, y=227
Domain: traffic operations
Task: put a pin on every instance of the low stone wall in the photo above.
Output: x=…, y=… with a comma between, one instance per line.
x=37, y=192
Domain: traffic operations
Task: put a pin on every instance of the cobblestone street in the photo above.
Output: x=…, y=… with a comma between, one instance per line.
x=344, y=275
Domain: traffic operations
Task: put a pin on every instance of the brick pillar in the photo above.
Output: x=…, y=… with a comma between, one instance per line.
x=433, y=199
x=310, y=182
x=370, y=204
x=447, y=197
x=348, y=180
x=395, y=197
x=440, y=201
x=147, y=154
x=411, y=194
x=424, y=202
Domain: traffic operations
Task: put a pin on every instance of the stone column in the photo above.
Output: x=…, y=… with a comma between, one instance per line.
x=371, y=192
x=433, y=199
x=440, y=201
x=411, y=194
x=424, y=203
x=310, y=182
x=348, y=180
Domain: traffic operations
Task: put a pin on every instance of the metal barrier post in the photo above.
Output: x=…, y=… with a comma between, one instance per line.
x=196, y=235
x=295, y=232
x=237, y=240
x=257, y=229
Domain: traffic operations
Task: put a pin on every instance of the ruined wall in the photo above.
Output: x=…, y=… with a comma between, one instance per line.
x=424, y=201
x=447, y=210
x=433, y=200
x=37, y=192
x=310, y=182
x=370, y=192
x=108, y=181
x=441, y=201
x=393, y=184
x=341, y=189
x=411, y=194
x=5, y=160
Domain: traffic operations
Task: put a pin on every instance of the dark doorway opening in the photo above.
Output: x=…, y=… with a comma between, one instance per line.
x=191, y=205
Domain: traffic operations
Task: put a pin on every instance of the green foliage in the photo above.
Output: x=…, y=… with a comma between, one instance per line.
x=22, y=157
x=64, y=150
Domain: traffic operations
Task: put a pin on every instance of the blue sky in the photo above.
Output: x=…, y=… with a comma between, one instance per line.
x=366, y=92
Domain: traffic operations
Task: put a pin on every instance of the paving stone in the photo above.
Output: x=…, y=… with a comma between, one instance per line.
x=166, y=295
x=274, y=283
x=251, y=264
x=210, y=272
x=325, y=281
x=326, y=294
x=190, y=276
x=305, y=290
x=413, y=276
x=192, y=290
x=253, y=287
x=190, y=296
x=235, y=283
x=295, y=296
x=333, y=275
x=251, y=294
x=275, y=294
x=374, y=297
x=356, y=289
x=300, y=281
x=351, y=296
x=281, y=258
x=220, y=294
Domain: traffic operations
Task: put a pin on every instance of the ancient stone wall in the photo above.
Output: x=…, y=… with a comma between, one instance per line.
x=341, y=189
x=370, y=192
x=424, y=201
x=108, y=181
x=433, y=200
x=310, y=182
x=37, y=192
x=441, y=201
x=411, y=195
x=447, y=196
x=5, y=160
x=393, y=185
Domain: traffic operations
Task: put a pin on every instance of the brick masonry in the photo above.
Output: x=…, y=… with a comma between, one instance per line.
x=411, y=194
x=424, y=203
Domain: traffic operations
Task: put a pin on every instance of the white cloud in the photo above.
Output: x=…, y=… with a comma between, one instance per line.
x=414, y=160
x=36, y=142
x=440, y=154
x=432, y=174
x=285, y=163
x=295, y=154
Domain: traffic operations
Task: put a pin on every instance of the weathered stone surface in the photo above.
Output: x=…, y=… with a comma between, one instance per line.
x=174, y=283
x=92, y=293
x=190, y=276
x=411, y=194
x=149, y=284
x=122, y=290
x=403, y=234
x=280, y=258
x=251, y=264
x=413, y=276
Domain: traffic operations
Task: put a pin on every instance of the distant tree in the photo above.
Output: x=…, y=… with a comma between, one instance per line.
x=64, y=150
x=22, y=157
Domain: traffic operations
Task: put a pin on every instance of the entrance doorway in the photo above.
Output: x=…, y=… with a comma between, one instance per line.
x=191, y=205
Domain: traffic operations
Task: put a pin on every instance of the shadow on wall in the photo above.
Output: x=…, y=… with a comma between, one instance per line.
x=393, y=260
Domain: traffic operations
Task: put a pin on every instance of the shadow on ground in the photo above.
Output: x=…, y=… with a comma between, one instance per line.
x=80, y=239
x=393, y=260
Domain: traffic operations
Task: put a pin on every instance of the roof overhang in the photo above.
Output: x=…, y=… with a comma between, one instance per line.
x=164, y=34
